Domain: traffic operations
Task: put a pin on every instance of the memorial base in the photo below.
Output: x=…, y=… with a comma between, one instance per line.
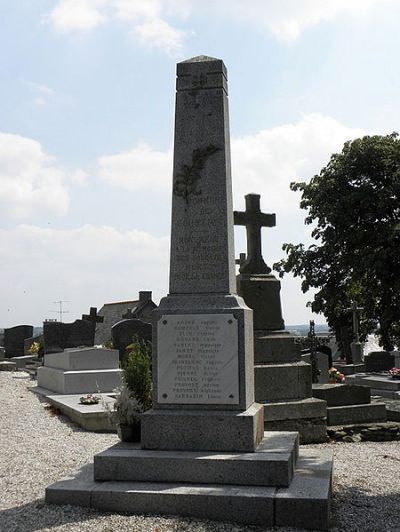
x=198, y=430
x=277, y=485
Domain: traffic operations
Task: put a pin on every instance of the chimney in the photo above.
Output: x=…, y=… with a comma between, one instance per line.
x=145, y=296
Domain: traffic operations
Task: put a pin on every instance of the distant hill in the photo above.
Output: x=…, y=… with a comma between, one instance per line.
x=302, y=330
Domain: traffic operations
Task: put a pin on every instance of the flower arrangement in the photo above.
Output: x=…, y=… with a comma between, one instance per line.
x=36, y=348
x=395, y=373
x=90, y=399
x=335, y=376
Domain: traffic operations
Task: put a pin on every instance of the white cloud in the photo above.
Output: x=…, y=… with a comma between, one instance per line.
x=140, y=169
x=287, y=19
x=266, y=162
x=86, y=266
x=42, y=93
x=80, y=15
x=284, y=19
x=30, y=180
x=145, y=19
x=79, y=177
x=156, y=33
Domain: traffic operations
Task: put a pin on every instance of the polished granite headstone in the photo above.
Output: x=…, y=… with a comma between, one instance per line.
x=14, y=338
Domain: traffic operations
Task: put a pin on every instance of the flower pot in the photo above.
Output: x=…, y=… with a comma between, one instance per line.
x=129, y=432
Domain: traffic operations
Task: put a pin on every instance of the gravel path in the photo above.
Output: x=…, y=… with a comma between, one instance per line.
x=37, y=449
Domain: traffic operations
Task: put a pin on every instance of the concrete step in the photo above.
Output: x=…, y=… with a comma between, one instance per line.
x=74, y=382
x=271, y=465
x=304, y=504
x=348, y=415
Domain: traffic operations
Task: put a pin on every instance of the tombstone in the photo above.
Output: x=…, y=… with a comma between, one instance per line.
x=261, y=292
x=2, y=353
x=283, y=380
x=82, y=370
x=14, y=339
x=203, y=394
x=93, y=317
x=126, y=331
x=59, y=336
x=379, y=361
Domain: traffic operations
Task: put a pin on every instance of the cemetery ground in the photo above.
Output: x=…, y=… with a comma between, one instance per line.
x=38, y=448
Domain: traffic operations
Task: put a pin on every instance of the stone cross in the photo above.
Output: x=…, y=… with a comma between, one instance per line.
x=355, y=315
x=93, y=317
x=254, y=220
x=241, y=260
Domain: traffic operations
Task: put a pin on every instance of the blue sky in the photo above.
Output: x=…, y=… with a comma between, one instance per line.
x=87, y=110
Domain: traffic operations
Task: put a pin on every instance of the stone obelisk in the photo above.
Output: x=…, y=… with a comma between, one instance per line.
x=203, y=374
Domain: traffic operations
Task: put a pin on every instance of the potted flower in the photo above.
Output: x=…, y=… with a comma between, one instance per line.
x=335, y=376
x=134, y=395
x=127, y=410
x=395, y=373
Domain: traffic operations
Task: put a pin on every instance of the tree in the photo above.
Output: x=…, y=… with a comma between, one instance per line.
x=354, y=204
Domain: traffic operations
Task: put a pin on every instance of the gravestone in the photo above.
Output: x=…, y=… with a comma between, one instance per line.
x=93, y=317
x=14, y=340
x=259, y=289
x=283, y=380
x=58, y=336
x=203, y=451
x=125, y=331
x=379, y=361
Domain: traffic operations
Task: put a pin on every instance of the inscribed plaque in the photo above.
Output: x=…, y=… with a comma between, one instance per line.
x=198, y=359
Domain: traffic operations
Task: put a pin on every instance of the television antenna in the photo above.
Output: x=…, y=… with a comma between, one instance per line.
x=60, y=310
